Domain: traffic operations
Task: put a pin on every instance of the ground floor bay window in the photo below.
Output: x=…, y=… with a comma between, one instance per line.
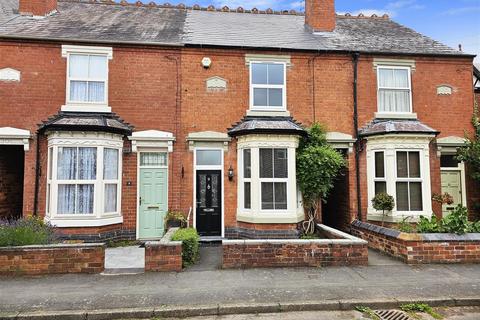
x=84, y=179
x=267, y=179
x=400, y=166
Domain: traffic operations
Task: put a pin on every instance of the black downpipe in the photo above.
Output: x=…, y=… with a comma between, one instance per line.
x=355, y=57
x=37, y=176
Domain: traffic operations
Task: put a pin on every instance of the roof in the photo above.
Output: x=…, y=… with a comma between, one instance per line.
x=266, y=125
x=79, y=121
x=107, y=22
x=380, y=127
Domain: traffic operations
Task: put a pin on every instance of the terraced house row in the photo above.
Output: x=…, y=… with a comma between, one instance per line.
x=111, y=114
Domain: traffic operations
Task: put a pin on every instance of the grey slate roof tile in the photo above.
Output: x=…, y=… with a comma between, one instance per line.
x=157, y=25
x=279, y=125
x=377, y=127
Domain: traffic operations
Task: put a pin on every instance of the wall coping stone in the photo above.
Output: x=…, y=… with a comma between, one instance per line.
x=432, y=237
x=166, y=240
x=54, y=246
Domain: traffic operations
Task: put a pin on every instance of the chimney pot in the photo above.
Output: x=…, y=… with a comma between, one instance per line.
x=37, y=7
x=320, y=15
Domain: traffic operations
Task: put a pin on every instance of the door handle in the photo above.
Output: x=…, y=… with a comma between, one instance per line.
x=208, y=210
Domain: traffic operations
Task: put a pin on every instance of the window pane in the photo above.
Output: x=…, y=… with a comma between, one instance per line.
x=78, y=65
x=402, y=196
x=87, y=163
x=394, y=100
x=96, y=91
x=280, y=163
x=448, y=161
x=401, y=78
x=110, y=164
x=259, y=73
x=379, y=165
x=85, y=198
x=275, y=98
x=78, y=91
x=110, y=198
x=402, y=101
x=260, y=97
x=266, y=163
x=247, y=202
x=153, y=159
x=66, y=199
x=98, y=67
x=267, y=195
x=50, y=161
x=214, y=190
x=380, y=187
x=66, y=163
x=416, y=196
x=414, y=164
x=402, y=168
x=209, y=157
x=275, y=74
x=386, y=78
x=281, y=195
x=247, y=162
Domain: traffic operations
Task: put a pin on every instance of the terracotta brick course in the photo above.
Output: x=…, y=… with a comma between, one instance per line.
x=52, y=259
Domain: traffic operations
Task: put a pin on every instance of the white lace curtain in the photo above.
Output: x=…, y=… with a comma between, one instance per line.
x=110, y=172
x=394, y=90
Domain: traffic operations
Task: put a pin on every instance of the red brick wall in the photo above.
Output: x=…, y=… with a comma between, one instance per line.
x=320, y=14
x=54, y=259
x=37, y=7
x=11, y=181
x=293, y=253
x=164, y=255
x=413, y=249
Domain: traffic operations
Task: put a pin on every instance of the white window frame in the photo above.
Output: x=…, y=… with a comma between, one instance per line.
x=408, y=179
x=82, y=106
x=390, y=144
x=268, y=86
x=99, y=217
x=294, y=212
x=273, y=180
x=381, y=113
x=380, y=179
x=249, y=180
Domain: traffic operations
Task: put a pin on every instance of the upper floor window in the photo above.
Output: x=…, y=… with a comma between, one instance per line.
x=267, y=86
x=87, y=78
x=394, y=89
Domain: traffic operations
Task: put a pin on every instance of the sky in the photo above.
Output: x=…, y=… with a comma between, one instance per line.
x=451, y=22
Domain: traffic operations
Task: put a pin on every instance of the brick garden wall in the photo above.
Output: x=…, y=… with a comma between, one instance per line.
x=164, y=255
x=420, y=248
x=348, y=251
x=52, y=259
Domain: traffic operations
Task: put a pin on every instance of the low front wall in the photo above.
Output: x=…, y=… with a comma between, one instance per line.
x=52, y=259
x=416, y=248
x=164, y=255
x=347, y=251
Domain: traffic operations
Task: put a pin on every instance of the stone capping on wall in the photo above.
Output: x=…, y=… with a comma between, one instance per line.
x=164, y=255
x=52, y=259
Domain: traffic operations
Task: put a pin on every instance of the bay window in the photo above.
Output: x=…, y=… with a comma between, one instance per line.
x=274, y=178
x=394, y=90
x=267, y=86
x=84, y=174
x=409, y=181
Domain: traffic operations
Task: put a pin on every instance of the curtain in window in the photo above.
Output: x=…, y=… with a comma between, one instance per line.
x=85, y=198
x=110, y=198
x=87, y=163
x=67, y=163
x=66, y=199
x=96, y=91
x=88, y=74
x=110, y=164
x=394, y=90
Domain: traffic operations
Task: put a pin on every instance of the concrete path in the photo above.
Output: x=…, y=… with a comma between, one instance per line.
x=376, y=258
x=338, y=287
x=125, y=260
x=210, y=259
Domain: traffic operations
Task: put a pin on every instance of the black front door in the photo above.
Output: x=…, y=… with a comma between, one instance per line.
x=209, y=203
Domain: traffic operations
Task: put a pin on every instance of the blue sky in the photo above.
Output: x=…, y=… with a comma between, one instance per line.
x=452, y=22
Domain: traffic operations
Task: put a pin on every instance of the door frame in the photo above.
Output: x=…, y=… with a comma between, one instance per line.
x=218, y=168
x=463, y=184
x=137, y=231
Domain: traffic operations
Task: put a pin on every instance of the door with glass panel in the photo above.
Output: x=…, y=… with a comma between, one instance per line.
x=209, y=203
x=451, y=179
x=153, y=195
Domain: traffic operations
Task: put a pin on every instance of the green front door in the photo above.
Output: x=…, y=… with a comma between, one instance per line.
x=452, y=184
x=152, y=202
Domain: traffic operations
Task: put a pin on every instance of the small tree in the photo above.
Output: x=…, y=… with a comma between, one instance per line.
x=385, y=202
x=470, y=153
x=317, y=166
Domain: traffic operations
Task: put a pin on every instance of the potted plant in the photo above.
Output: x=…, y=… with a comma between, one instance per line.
x=175, y=219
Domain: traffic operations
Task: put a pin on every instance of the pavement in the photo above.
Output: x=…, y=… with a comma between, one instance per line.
x=384, y=284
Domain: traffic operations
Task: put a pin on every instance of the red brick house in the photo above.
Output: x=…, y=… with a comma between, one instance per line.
x=114, y=113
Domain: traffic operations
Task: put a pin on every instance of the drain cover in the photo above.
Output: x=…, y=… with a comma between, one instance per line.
x=392, y=315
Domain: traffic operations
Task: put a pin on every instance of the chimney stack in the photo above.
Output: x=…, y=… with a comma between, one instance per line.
x=37, y=7
x=320, y=15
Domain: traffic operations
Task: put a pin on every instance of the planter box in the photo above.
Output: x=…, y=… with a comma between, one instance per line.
x=164, y=255
x=52, y=259
x=340, y=249
x=417, y=248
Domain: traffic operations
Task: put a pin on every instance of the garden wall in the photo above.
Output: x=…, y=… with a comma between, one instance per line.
x=52, y=259
x=340, y=249
x=417, y=248
x=164, y=255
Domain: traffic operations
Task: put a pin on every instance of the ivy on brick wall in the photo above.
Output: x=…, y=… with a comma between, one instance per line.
x=471, y=152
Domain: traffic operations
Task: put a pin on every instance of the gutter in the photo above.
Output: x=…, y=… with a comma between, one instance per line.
x=355, y=57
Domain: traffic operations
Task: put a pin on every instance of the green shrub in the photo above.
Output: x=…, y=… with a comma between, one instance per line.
x=457, y=221
x=190, y=247
x=428, y=226
x=406, y=226
x=28, y=231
